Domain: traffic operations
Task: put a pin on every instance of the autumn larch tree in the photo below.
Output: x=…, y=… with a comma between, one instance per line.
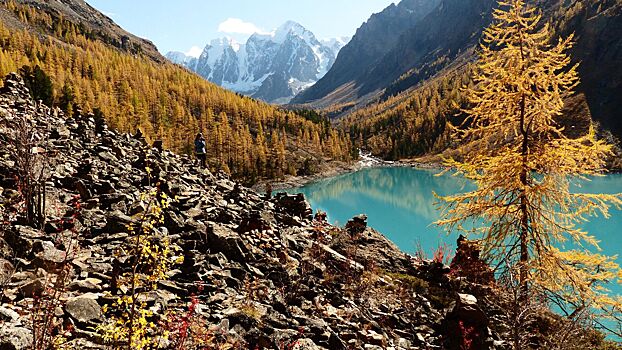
x=523, y=163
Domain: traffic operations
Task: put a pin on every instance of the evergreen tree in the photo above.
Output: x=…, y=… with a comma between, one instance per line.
x=38, y=83
x=66, y=99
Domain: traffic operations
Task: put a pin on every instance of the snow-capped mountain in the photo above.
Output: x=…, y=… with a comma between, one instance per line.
x=273, y=67
x=178, y=57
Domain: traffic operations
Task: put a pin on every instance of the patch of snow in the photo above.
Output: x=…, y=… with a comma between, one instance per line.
x=216, y=49
x=367, y=160
x=297, y=86
x=322, y=59
x=177, y=57
x=246, y=86
x=243, y=68
x=336, y=44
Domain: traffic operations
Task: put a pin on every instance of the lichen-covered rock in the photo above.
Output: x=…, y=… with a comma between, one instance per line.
x=14, y=338
x=223, y=239
x=83, y=310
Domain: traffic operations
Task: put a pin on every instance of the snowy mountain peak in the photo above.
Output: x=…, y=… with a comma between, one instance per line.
x=273, y=67
x=291, y=28
x=224, y=42
x=178, y=57
x=260, y=37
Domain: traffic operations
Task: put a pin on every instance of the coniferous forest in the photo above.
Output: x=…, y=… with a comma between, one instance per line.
x=245, y=137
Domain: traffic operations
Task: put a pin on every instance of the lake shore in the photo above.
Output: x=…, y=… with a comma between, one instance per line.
x=330, y=169
x=336, y=168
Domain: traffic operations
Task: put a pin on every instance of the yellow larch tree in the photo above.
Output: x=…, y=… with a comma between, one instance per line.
x=523, y=165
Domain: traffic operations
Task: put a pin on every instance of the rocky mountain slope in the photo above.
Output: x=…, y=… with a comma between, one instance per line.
x=442, y=40
x=272, y=67
x=597, y=26
x=259, y=271
x=96, y=24
x=379, y=35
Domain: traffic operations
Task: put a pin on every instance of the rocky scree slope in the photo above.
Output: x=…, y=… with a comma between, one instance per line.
x=264, y=273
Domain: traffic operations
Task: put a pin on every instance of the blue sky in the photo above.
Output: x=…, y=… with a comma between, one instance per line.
x=183, y=24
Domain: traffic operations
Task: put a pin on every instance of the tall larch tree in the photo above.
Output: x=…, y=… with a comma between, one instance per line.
x=523, y=164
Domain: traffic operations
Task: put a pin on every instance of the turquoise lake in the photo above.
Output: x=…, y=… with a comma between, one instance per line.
x=399, y=202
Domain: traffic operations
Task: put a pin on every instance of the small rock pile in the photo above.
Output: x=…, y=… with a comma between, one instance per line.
x=262, y=270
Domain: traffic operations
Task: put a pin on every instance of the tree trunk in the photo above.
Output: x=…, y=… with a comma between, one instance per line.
x=524, y=224
x=524, y=213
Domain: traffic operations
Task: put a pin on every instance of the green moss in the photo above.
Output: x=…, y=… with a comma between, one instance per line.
x=411, y=282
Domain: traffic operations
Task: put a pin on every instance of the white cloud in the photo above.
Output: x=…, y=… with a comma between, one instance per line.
x=194, y=51
x=238, y=26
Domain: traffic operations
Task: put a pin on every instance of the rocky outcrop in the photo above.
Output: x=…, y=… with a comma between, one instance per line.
x=261, y=270
x=89, y=22
x=369, y=247
x=468, y=263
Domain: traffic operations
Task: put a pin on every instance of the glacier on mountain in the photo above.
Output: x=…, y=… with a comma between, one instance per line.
x=273, y=67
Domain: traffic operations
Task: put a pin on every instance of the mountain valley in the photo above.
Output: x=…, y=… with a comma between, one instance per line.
x=440, y=180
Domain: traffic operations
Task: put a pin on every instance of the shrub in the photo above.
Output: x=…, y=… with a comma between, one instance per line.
x=131, y=324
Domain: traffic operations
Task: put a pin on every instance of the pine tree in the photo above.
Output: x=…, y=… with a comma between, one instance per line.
x=523, y=163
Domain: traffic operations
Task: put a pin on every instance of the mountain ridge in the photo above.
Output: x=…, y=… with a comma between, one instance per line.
x=431, y=50
x=272, y=67
x=99, y=25
x=388, y=25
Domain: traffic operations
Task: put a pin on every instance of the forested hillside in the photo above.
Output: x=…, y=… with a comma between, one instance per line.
x=413, y=123
x=400, y=109
x=132, y=90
